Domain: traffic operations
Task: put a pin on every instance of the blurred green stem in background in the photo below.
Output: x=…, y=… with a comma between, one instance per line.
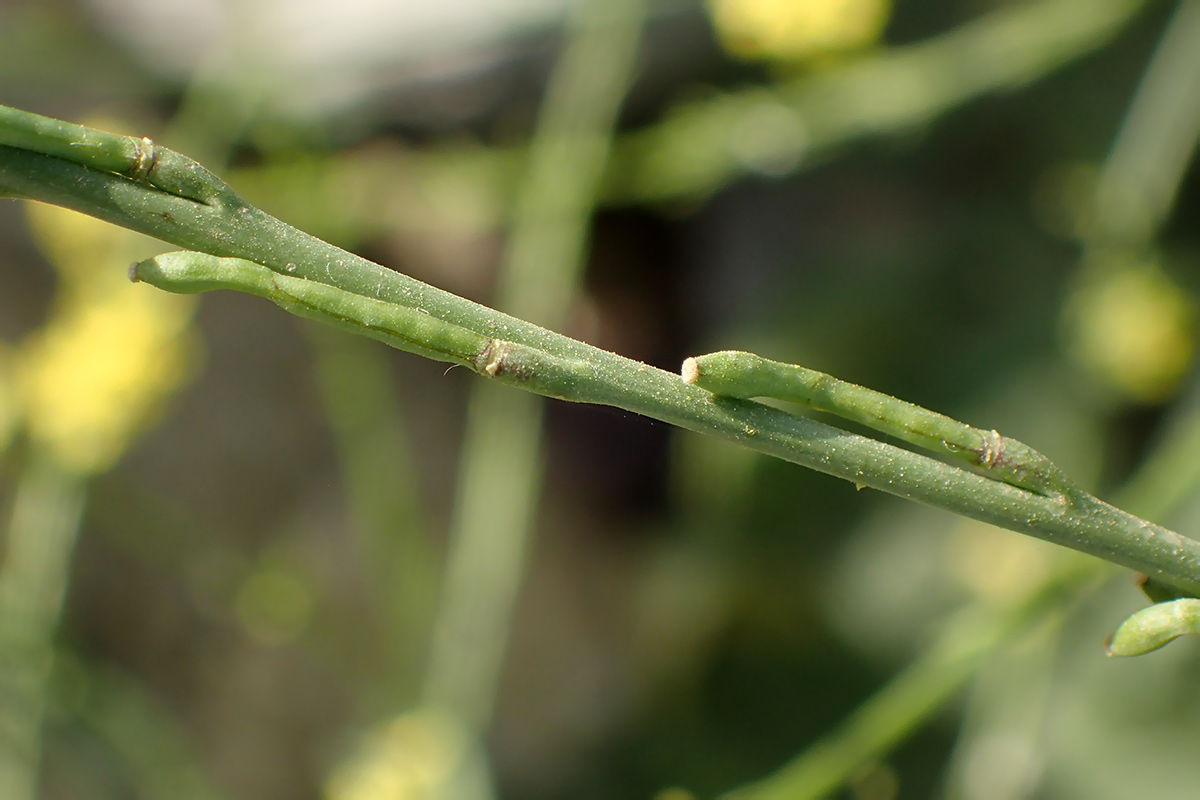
x=502, y=463
x=127, y=717
x=1144, y=355
x=915, y=694
x=382, y=486
x=702, y=146
x=33, y=583
x=1137, y=186
x=705, y=143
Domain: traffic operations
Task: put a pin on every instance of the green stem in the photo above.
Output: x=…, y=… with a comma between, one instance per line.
x=890, y=715
x=1085, y=523
x=501, y=469
x=715, y=137
x=118, y=711
x=734, y=373
x=229, y=226
x=929, y=683
x=702, y=146
x=40, y=542
x=382, y=482
x=1141, y=176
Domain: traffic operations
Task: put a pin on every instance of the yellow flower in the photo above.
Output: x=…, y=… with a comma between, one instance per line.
x=1132, y=327
x=420, y=755
x=111, y=352
x=788, y=30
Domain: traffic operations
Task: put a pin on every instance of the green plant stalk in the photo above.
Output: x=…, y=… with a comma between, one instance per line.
x=40, y=541
x=701, y=146
x=1145, y=167
x=1131, y=202
x=116, y=708
x=189, y=272
x=225, y=225
x=46, y=516
x=884, y=720
x=1136, y=189
x=914, y=694
x=501, y=467
x=1134, y=194
x=383, y=497
x=786, y=126
x=734, y=373
x=1081, y=521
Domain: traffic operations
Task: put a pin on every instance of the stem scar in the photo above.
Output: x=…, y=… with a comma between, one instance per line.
x=992, y=449
x=491, y=359
x=145, y=159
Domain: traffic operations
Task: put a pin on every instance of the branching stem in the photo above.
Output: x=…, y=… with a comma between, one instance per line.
x=186, y=205
x=734, y=373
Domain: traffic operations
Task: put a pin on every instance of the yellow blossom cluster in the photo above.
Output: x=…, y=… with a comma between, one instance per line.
x=791, y=30
x=97, y=371
x=1133, y=329
x=420, y=755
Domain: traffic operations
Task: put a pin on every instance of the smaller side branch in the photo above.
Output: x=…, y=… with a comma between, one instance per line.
x=734, y=373
x=137, y=158
x=414, y=330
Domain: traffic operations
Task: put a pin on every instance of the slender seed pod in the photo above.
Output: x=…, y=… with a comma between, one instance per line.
x=1154, y=626
x=402, y=327
x=735, y=373
x=188, y=272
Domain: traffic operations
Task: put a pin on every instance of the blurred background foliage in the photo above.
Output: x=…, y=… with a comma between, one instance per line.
x=226, y=528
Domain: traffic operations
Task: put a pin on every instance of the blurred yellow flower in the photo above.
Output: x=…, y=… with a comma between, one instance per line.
x=421, y=755
x=1132, y=327
x=110, y=353
x=788, y=30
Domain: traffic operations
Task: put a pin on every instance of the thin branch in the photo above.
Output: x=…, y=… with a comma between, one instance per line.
x=500, y=472
x=774, y=130
x=227, y=226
